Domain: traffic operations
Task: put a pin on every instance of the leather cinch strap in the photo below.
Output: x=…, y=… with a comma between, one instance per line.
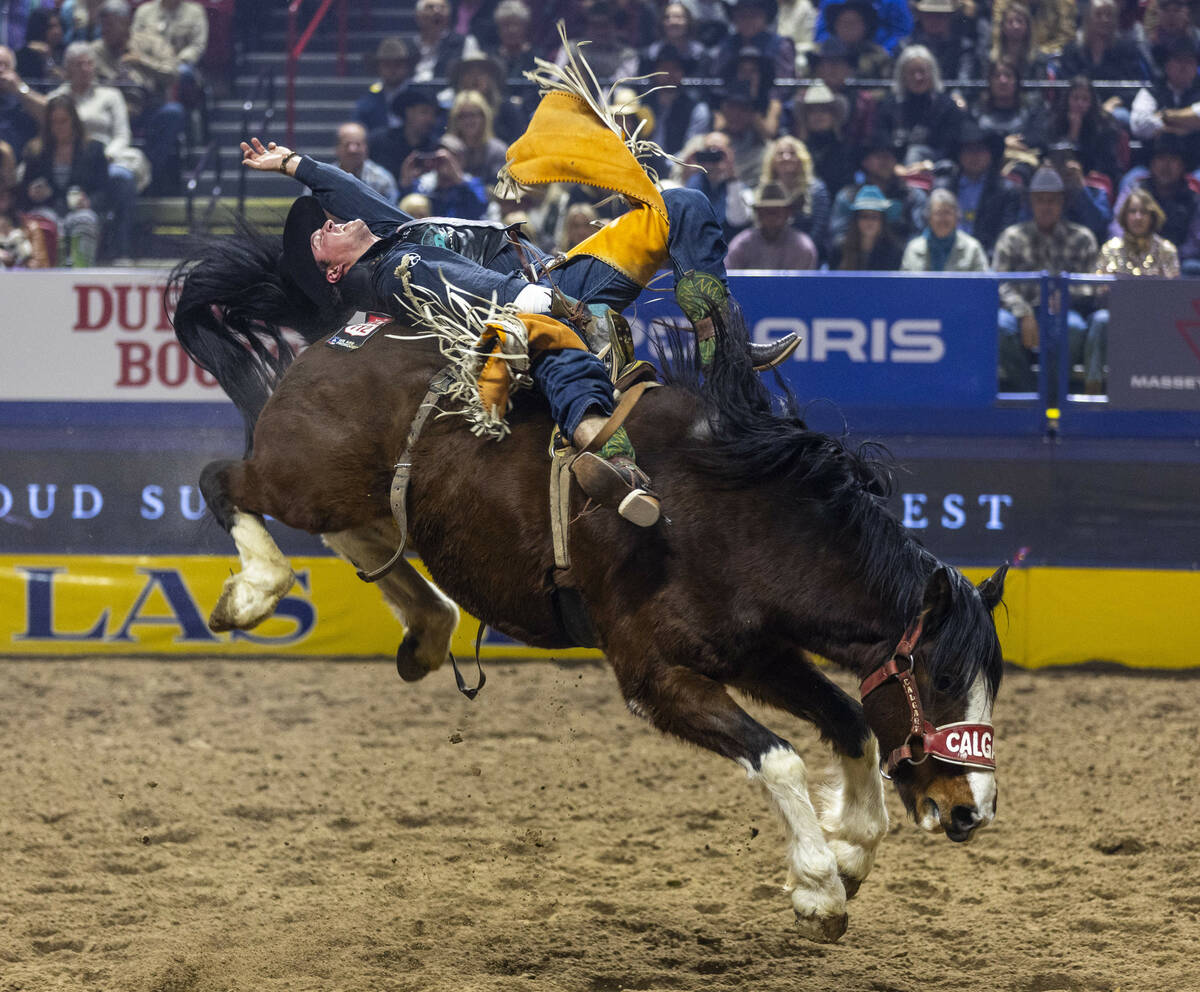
x=403, y=473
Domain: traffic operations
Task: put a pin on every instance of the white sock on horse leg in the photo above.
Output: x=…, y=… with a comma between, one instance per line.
x=812, y=869
x=852, y=813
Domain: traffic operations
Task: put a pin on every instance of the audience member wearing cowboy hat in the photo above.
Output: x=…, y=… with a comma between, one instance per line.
x=905, y=214
x=392, y=63
x=833, y=64
x=483, y=74
x=772, y=243
x=952, y=38
x=852, y=24
x=739, y=121
x=752, y=21
x=1051, y=243
x=416, y=107
x=942, y=247
x=869, y=245
x=817, y=121
x=887, y=21
x=788, y=163
x=987, y=203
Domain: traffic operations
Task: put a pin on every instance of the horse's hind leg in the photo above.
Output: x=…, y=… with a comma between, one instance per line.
x=429, y=617
x=251, y=595
x=850, y=803
x=687, y=704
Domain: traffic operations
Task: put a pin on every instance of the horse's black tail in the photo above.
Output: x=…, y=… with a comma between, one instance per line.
x=232, y=308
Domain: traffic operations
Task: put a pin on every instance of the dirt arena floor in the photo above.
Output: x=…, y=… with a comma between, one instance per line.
x=216, y=825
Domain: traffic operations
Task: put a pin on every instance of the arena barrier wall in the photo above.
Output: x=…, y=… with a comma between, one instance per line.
x=105, y=547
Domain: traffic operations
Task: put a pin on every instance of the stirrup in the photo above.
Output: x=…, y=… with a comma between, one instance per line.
x=618, y=484
x=773, y=353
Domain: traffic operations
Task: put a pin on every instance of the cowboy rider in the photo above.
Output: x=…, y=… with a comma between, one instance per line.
x=364, y=256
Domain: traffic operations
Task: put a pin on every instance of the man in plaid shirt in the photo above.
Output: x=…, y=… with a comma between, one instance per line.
x=1047, y=242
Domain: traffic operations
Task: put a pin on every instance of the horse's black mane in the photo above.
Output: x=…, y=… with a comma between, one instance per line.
x=235, y=283
x=758, y=438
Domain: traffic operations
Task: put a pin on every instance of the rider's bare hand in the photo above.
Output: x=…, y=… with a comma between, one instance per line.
x=265, y=158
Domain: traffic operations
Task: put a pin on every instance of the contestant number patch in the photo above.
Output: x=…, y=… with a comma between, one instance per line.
x=353, y=336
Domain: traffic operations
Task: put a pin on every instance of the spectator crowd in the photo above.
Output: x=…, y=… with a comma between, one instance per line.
x=916, y=135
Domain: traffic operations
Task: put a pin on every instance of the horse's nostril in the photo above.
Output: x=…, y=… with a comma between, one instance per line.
x=963, y=818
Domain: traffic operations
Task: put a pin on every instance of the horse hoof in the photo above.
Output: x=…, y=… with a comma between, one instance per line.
x=851, y=885
x=822, y=929
x=410, y=669
x=244, y=604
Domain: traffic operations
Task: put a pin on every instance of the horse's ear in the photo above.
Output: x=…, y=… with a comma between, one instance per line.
x=939, y=592
x=991, y=589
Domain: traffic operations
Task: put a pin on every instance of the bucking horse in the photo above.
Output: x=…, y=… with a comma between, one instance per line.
x=776, y=546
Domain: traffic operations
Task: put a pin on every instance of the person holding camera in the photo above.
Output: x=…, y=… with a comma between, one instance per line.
x=439, y=175
x=708, y=166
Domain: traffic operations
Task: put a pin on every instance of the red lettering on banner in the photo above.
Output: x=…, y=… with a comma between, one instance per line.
x=136, y=307
x=167, y=364
x=84, y=319
x=168, y=375
x=124, y=316
x=135, y=360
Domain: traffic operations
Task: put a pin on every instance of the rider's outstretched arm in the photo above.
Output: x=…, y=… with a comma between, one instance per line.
x=338, y=192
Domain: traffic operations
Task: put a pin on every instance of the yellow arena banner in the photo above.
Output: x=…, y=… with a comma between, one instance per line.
x=61, y=605
x=149, y=605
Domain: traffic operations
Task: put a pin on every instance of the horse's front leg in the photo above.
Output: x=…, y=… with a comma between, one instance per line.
x=682, y=702
x=850, y=804
x=250, y=595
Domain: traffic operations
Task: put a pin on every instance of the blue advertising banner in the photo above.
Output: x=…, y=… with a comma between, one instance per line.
x=895, y=340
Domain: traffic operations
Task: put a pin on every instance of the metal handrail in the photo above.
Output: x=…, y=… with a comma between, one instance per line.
x=296, y=47
x=212, y=153
x=264, y=87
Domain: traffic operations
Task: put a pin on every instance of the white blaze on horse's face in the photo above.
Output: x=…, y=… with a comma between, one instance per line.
x=944, y=796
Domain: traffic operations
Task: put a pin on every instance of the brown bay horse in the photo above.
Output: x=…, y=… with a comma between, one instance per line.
x=776, y=543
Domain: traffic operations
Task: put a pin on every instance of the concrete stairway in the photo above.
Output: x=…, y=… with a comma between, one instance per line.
x=323, y=101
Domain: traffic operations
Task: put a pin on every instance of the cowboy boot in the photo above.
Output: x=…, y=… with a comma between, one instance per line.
x=612, y=478
x=773, y=353
x=701, y=295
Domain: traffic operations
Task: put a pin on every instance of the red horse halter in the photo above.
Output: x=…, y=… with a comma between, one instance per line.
x=969, y=744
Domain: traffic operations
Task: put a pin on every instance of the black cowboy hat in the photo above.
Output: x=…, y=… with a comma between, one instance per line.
x=880, y=140
x=769, y=7
x=865, y=9
x=669, y=53
x=491, y=63
x=736, y=91
x=1173, y=144
x=1180, y=48
x=972, y=134
x=413, y=96
x=297, y=262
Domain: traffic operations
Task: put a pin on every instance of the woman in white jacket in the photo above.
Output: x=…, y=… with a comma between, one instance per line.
x=942, y=247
